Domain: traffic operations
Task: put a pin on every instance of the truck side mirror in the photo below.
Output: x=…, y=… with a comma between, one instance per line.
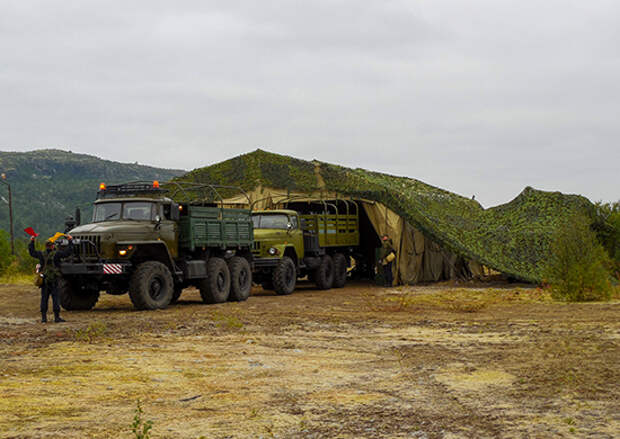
x=157, y=222
x=289, y=227
x=69, y=223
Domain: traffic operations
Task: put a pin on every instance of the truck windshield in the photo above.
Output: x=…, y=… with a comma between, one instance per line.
x=131, y=210
x=270, y=221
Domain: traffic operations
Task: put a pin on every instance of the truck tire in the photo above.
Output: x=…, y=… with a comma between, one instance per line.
x=240, y=279
x=284, y=276
x=340, y=270
x=151, y=286
x=216, y=287
x=73, y=298
x=176, y=293
x=324, y=275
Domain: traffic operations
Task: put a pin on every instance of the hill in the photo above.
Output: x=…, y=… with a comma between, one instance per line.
x=49, y=184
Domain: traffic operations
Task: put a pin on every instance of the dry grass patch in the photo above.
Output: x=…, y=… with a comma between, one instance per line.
x=477, y=380
x=459, y=300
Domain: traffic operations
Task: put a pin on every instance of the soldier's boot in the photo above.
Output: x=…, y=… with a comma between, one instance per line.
x=57, y=318
x=43, y=318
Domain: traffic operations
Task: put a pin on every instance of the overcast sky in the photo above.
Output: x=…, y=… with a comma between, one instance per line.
x=478, y=97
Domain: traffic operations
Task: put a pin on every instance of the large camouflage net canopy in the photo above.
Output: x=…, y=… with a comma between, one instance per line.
x=513, y=238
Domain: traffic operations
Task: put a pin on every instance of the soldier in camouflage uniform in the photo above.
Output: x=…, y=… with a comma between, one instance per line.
x=387, y=247
x=49, y=262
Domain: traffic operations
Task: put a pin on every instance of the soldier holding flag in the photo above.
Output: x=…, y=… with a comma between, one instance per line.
x=49, y=261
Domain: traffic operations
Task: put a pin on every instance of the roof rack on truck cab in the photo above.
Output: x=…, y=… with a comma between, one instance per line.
x=139, y=188
x=329, y=203
x=200, y=193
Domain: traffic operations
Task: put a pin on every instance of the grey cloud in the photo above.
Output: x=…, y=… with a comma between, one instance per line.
x=480, y=97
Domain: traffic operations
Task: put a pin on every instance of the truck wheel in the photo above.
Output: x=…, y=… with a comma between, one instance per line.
x=176, y=293
x=73, y=298
x=324, y=275
x=151, y=286
x=240, y=279
x=340, y=270
x=285, y=276
x=216, y=287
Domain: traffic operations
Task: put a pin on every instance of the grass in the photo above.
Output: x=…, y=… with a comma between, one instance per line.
x=17, y=279
x=224, y=321
x=316, y=362
x=92, y=332
x=461, y=300
x=139, y=427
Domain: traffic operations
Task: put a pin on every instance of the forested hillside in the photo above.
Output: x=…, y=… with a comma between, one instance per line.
x=49, y=184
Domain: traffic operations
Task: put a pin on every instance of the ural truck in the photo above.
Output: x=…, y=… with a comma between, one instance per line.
x=152, y=244
x=314, y=238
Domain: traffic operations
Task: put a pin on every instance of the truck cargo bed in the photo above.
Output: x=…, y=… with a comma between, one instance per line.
x=204, y=226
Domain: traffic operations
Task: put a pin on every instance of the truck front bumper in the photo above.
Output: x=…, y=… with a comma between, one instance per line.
x=95, y=268
x=266, y=262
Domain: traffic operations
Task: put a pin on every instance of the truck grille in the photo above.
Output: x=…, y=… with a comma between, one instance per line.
x=256, y=248
x=89, y=246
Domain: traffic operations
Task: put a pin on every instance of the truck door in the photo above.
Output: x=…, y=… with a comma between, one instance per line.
x=296, y=236
x=168, y=231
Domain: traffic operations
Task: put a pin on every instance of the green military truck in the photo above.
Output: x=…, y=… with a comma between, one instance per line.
x=313, y=238
x=152, y=242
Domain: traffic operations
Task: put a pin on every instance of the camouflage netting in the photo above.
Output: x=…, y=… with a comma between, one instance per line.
x=512, y=238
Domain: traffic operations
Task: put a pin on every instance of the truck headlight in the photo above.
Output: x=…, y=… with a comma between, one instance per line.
x=273, y=251
x=125, y=251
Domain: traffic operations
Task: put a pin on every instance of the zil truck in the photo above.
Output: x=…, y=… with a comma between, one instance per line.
x=152, y=242
x=314, y=238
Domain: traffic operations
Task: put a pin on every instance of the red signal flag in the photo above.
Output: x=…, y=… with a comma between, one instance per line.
x=30, y=231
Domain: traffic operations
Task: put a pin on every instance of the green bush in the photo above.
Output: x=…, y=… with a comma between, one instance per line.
x=20, y=264
x=6, y=259
x=139, y=427
x=606, y=224
x=576, y=269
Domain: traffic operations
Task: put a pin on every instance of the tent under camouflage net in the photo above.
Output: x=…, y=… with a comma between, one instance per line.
x=439, y=234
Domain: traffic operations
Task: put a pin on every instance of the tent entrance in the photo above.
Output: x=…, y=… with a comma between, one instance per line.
x=365, y=257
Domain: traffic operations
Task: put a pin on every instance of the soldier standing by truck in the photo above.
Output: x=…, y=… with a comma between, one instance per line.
x=386, y=257
x=49, y=262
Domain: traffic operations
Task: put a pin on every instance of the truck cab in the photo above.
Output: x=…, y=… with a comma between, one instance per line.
x=277, y=233
x=130, y=223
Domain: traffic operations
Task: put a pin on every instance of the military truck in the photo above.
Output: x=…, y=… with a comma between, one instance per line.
x=152, y=242
x=314, y=238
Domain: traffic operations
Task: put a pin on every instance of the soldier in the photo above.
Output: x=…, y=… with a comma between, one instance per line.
x=386, y=256
x=49, y=261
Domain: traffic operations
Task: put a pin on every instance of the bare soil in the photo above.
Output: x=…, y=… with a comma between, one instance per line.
x=441, y=361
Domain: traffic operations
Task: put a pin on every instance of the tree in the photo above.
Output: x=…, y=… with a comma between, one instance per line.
x=5, y=251
x=576, y=269
x=606, y=224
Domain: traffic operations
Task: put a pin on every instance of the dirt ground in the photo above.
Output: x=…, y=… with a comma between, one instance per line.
x=440, y=361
